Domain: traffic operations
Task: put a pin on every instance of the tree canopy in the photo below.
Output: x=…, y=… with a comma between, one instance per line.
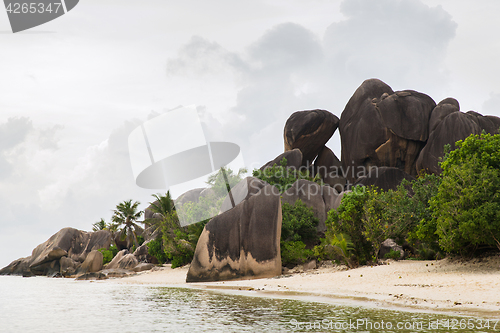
x=466, y=208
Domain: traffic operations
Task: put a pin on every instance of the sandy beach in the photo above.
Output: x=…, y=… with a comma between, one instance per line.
x=448, y=285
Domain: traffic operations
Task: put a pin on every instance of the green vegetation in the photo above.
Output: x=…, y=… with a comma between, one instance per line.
x=179, y=242
x=348, y=219
x=283, y=177
x=108, y=254
x=393, y=254
x=455, y=212
x=343, y=246
x=298, y=228
x=100, y=225
x=369, y=215
x=466, y=208
x=155, y=249
x=125, y=218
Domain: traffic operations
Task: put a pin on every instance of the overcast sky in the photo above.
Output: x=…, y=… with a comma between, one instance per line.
x=73, y=89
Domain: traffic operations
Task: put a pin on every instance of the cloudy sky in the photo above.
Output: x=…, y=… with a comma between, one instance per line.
x=73, y=89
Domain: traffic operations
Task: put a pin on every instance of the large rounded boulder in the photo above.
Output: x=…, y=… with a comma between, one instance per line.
x=385, y=178
x=329, y=168
x=293, y=160
x=450, y=128
x=309, y=131
x=92, y=264
x=68, y=242
x=380, y=127
x=243, y=242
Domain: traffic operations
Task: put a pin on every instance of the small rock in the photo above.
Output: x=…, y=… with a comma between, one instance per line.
x=310, y=265
x=143, y=267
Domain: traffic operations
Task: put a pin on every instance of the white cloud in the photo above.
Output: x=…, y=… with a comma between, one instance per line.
x=289, y=68
x=402, y=42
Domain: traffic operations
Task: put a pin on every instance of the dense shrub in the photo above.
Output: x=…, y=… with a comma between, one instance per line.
x=393, y=254
x=294, y=253
x=155, y=249
x=466, y=208
x=349, y=219
x=369, y=216
x=179, y=242
x=298, y=222
x=108, y=254
x=298, y=228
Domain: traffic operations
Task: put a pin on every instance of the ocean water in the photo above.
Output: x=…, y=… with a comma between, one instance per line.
x=41, y=304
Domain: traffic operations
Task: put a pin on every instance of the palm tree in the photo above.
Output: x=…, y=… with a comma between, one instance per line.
x=126, y=216
x=100, y=225
x=163, y=206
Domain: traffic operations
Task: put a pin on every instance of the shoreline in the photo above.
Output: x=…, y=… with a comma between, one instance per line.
x=447, y=286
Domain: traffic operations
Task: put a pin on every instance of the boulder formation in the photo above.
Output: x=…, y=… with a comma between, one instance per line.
x=92, y=264
x=47, y=258
x=329, y=168
x=402, y=129
x=380, y=127
x=243, y=242
x=293, y=160
x=385, y=178
x=448, y=125
x=309, y=131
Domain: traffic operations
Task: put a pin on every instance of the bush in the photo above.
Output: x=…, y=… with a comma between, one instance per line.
x=348, y=219
x=393, y=254
x=108, y=254
x=466, y=208
x=298, y=226
x=294, y=253
x=155, y=249
x=370, y=215
x=298, y=222
x=175, y=242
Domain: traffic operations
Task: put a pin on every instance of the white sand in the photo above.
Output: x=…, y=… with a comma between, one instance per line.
x=471, y=288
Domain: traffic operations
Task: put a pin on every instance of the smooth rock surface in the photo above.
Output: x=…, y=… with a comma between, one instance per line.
x=309, y=131
x=293, y=160
x=243, y=242
x=380, y=127
x=384, y=178
x=92, y=264
x=116, y=259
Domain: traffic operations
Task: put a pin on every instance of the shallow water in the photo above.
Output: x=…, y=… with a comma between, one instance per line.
x=62, y=305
